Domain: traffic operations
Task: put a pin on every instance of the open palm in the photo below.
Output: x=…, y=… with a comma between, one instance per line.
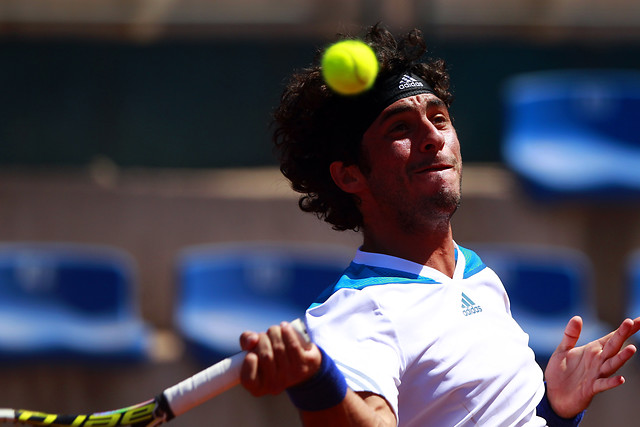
x=575, y=375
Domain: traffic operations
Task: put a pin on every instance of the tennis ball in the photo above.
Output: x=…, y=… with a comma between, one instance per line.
x=349, y=67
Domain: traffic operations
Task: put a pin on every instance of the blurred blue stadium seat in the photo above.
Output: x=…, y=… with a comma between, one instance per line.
x=547, y=285
x=225, y=289
x=574, y=133
x=633, y=287
x=67, y=301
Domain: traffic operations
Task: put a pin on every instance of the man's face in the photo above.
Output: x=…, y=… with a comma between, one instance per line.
x=412, y=162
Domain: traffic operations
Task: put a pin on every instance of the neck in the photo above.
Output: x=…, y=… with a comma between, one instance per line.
x=433, y=248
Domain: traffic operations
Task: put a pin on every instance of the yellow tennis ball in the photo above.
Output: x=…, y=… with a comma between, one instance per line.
x=349, y=67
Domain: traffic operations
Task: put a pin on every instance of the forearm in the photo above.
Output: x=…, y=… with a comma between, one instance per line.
x=356, y=410
x=325, y=400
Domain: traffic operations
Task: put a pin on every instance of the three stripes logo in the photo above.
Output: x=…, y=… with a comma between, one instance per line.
x=469, y=307
x=407, y=82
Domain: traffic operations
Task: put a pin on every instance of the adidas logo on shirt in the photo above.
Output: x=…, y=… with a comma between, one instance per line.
x=469, y=307
x=407, y=82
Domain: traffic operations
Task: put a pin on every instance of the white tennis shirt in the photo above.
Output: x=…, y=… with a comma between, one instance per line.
x=442, y=351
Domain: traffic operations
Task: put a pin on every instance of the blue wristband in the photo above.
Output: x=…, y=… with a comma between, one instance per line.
x=325, y=389
x=545, y=411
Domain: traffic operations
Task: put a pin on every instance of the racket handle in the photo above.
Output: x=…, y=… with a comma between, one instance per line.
x=212, y=381
x=7, y=414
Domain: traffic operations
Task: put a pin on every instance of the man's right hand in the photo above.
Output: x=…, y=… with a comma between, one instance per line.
x=277, y=359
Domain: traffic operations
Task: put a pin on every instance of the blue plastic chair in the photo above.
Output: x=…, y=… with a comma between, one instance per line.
x=225, y=289
x=63, y=301
x=574, y=133
x=547, y=285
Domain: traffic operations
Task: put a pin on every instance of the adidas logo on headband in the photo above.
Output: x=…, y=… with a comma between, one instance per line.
x=407, y=82
x=363, y=109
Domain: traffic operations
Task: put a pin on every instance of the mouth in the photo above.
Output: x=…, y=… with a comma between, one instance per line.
x=433, y=168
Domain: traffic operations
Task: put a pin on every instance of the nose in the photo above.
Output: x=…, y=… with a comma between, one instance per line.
x=431, y=138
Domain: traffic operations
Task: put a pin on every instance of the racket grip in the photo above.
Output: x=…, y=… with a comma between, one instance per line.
x=204, y=385
x=212, y=381
x=7, y=414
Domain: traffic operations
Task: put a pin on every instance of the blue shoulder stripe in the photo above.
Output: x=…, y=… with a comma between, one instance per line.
x=473, y=263
x=360, y=276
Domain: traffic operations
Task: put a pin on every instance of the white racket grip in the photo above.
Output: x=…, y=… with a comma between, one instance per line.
x=212, y=381
x=205, y=384
x=7, y=414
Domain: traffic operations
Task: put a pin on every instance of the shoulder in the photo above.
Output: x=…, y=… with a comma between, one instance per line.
x=473, y=263
x=360, y=276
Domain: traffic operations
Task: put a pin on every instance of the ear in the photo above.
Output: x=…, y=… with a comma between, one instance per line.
x=348, y=178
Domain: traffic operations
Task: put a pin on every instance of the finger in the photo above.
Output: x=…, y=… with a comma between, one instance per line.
x=295, y=347
x=267, y=368
x=634, y=328
x=278, y=349
x=612, y=365
x=604, y=384
x=614, y=343
x=249, y=374
x=304, y=357
x=248, y=340
x=293, y=342
x=571, y=334
x=295, y=354
x=297, y=336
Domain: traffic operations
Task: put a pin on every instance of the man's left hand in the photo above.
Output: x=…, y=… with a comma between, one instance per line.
x=575, y=375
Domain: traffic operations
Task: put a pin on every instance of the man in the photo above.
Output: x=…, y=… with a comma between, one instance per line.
x=392, y=344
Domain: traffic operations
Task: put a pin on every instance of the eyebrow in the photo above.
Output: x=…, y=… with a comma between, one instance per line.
x=399, y=109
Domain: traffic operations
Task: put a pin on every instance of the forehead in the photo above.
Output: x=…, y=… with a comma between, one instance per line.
x=423, y=101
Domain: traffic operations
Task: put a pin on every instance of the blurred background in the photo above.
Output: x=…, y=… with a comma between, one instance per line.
x=143, y=125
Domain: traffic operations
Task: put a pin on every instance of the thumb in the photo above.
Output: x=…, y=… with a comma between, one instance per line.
x=571, y=334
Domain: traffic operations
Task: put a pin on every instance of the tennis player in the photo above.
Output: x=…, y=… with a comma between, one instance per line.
x=418, y=331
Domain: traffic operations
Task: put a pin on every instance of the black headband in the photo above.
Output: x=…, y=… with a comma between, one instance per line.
x=356, y=113
x=388, y=90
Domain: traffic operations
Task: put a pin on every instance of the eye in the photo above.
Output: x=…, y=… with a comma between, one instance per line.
x=397, y=128
x=440, y=120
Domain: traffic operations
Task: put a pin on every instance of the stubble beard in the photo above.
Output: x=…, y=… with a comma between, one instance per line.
x=430, y=213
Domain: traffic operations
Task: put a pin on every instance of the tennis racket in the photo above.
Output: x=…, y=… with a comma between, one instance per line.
x=172, y=402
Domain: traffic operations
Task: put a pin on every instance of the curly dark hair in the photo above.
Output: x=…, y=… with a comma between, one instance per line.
x=315, y=127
